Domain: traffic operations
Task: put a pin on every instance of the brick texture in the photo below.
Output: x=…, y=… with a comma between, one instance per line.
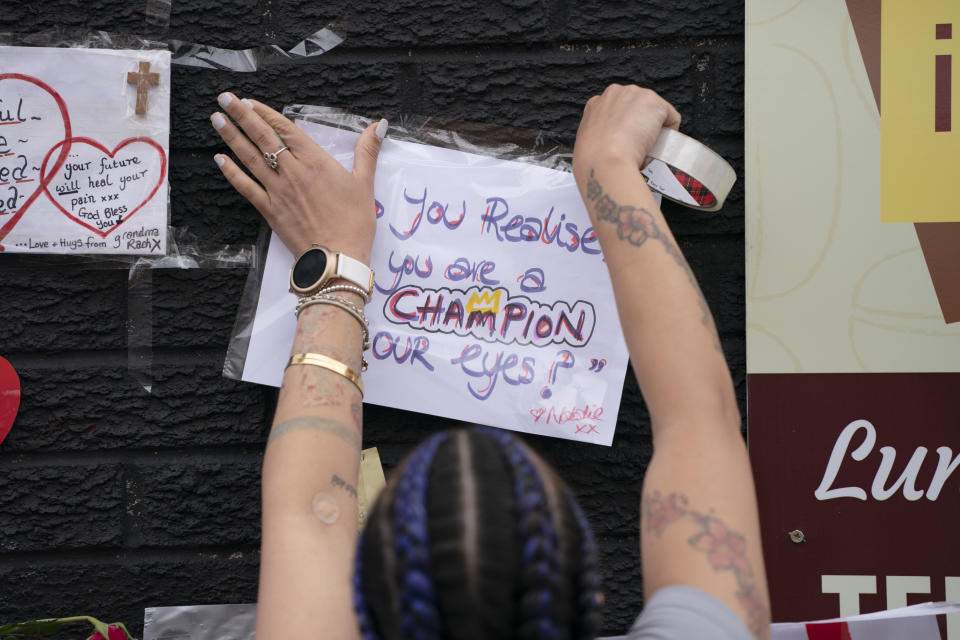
x=113, y=499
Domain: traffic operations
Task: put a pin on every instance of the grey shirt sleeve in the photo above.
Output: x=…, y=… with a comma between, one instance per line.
x=685, y=613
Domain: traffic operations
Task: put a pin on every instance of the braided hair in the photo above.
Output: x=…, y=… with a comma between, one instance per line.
x=477, y=539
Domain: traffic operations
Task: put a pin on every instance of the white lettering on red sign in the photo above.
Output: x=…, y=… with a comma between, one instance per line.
x=881, y=489
x=849, y=588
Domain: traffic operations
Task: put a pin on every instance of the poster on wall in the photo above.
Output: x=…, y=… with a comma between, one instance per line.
x=853, y=302
x=84, y=139
x=492, y=303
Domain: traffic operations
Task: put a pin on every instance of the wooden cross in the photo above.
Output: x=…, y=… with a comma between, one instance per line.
x=142, y=79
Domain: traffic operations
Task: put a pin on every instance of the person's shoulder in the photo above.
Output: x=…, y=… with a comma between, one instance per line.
x=680, y=612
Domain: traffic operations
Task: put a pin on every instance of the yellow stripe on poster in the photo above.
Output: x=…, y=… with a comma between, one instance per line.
x=920, y=110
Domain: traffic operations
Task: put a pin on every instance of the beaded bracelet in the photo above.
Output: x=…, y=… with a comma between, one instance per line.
x=325, y=294
x=344, y=287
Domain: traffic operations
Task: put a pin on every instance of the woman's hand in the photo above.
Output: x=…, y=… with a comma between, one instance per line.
x=619, y=127
x=309, y=198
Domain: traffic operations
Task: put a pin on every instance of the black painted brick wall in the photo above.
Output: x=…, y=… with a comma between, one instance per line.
x=112, y=499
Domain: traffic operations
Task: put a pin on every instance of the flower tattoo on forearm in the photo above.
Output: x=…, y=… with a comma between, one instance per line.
x=636, y=225
x=726, y=550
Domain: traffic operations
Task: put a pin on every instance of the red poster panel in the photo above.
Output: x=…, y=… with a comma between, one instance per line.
x=865, y=470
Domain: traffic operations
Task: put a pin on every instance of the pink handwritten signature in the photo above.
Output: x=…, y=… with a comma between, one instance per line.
x=564, y=415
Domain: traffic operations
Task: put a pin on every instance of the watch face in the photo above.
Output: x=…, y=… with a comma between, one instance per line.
x=309, y=268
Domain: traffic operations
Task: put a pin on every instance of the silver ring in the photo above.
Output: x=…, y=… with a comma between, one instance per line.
x=271, y=158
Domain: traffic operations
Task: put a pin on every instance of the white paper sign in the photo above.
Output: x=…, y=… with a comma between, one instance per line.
x=492, y=302
x=80, y=171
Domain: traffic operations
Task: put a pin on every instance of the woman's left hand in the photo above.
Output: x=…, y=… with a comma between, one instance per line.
x=309, y=198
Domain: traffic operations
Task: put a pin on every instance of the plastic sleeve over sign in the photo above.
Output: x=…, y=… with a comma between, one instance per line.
x=240, y=338
x=509, y=143
x=93, y=139
x=91, y=147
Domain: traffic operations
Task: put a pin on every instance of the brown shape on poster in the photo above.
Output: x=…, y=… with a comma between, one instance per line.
x=940, y=241
x=941, y=246
x=865, y=15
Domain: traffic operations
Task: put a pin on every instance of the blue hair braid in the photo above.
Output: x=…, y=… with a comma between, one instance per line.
x=417, y=603
x=539, y=564
x=588, y=576
x=364, y=616
x=418, y=615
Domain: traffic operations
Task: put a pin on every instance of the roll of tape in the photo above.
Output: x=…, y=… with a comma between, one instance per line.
x=688, y=172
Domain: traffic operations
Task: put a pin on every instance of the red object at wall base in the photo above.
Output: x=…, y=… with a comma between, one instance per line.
x=9, y=397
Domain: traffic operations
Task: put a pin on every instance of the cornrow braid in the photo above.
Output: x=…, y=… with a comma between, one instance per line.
x=539, y=565
x=588, y=576
x=364, y=616
x=417, y=600
x=534, y=563
x=375, y=590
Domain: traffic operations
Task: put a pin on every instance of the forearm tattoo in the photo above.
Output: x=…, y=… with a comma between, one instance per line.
x=320, y=388
x=636, y=225
x=314, y=321
x=339, y=482
x=356, y=410
x=315, y=423
x=725, y=549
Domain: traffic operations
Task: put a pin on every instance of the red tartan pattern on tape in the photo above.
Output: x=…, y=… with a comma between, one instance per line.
x=694, y=187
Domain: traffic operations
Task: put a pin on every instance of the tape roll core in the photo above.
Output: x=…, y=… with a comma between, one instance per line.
x=699, y=171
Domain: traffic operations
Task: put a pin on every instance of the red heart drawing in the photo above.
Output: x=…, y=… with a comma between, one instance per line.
x=62, y=158
x=9, y=397
x=537, y=414
x=74, y=143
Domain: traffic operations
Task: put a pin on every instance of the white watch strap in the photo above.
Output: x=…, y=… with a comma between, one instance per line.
x=355, y=271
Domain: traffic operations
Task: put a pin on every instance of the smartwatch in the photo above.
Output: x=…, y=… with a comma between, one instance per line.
x=317, y=266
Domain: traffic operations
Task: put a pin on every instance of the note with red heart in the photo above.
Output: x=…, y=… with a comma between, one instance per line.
x=101, y=189
x=80, y=170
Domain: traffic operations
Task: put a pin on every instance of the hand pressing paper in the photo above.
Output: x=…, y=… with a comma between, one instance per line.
x=81, y=170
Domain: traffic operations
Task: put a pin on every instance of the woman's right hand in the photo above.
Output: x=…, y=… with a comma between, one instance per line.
x=309, y=198
x=619, y=127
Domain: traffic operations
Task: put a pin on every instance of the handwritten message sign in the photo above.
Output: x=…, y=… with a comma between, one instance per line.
x=492, y=303
x=80, y=171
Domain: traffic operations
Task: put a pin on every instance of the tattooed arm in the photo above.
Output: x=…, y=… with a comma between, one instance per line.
x=699, y=517
x=309, y=487
x=313, y=453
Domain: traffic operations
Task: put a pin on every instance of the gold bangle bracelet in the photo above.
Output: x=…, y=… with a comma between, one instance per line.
x=319, y=360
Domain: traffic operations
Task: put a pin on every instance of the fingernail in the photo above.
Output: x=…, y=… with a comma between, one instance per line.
x=219, y=159
x=225, y=99
x=381, y=129
x=247, y=102
x=219, y=122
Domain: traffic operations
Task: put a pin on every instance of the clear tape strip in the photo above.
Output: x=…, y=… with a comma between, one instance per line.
x=183, y=253
x=252, y=59
x=80, y=39
x=183, y=53
x=158, y=14
x=140, y=327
